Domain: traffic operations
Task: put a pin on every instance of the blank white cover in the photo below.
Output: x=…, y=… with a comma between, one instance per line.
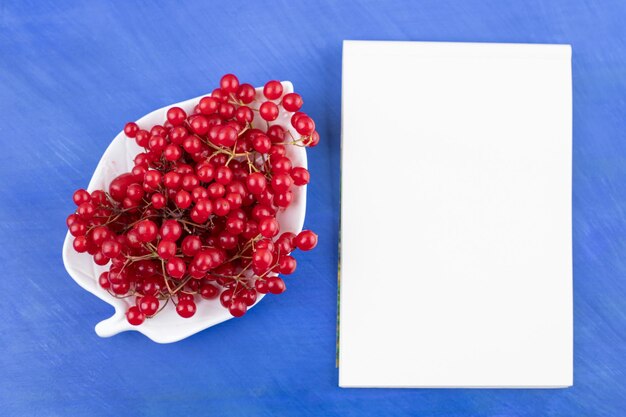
x=456, y=259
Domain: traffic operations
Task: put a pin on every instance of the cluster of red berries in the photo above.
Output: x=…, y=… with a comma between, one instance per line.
x=195, y=218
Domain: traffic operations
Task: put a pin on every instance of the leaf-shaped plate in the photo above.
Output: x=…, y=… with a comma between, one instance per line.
x=168, y=326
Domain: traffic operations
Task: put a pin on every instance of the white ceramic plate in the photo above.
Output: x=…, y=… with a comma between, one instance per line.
x=167, y=326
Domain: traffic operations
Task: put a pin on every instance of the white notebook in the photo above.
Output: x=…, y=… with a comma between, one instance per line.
x=456, y=243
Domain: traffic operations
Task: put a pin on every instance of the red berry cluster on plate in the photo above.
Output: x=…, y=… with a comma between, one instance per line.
x=196, y=217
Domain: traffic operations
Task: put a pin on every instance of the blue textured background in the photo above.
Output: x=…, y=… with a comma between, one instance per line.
x=71, y=74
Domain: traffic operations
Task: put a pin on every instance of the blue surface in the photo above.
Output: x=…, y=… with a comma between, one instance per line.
x=72, y=74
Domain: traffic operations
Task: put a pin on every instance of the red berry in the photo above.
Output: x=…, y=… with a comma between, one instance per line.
x=216, y=190
x=130, y=205
x=172, y=153
x=204, y=208
x=150, y=286
x=273, y=90
x=143, y=160
x=246, y=93
x=226, y=111
x=229, y=83
x=262, y=258
x=103, y=280
x=132, y=239
x=209, y=291
x=292, y=102
x=296, y=116
x=300, y=176
x=281, y=164
x=268, y=227
x=249, y=296
x=120, y=288
x=148, y=304
x=268, y=111
x=205, y=172
x=221, y=207
x=219, y=95
x=111, y=249
x=276, y=285
x=142, y=137
x=234, y=199
x=199, y=125
x=139, y=171
x=238, y=307
x=183, y=296
x=227, y=241
x=256, y=183
x=146, y=268
x=194, y=285
x=71, y=219
x=146, y=230
x=305, y=240
x=208, y=105
x=81, y=196
x=244, y=115
x=186, y=309
x=286, y=264
x=313, y=140
x=156, y=145
x=236, y=187
x=86, y=211
x=178, y=135
x=176, y=268
x=277, y=152
x=285, y=242
x=266, y=197
x=166, y=249
x=158, y=130
x=224, y=175
x=207, y=259
x=171, y=230
x=234, y=223
x=283, y=199
x=131, y=129
x=152, y=180
x=261, y=286
x=276, y=133
x=176, y=116
x=182, y=199
x=80, y=244
x=261, y=211
x=158, y=200
x=226, y=136
x=98, y=197
x=226, y=297
x=189, y=182
x=266, y=244
x=172, y=180
x=135, y=192
x=184, y=169
x=281, y=182
x=135, y=316
x=191, y=245
x=192, y=145
x=304, y=125
x=261, y=143
x=101, y=234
